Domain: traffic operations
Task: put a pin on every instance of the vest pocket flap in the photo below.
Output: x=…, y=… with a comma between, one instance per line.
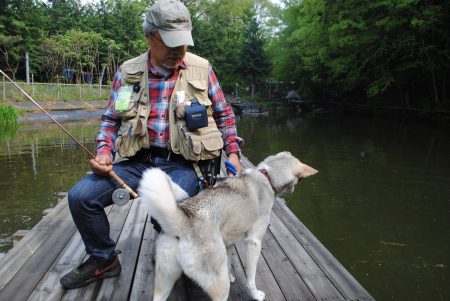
x=198, y=84
x=211, y=139
x=196, y=147
x=133, y=76
x=213, y=144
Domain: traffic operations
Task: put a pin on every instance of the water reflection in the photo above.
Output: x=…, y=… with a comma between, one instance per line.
x=35, y=165
x=380, y=202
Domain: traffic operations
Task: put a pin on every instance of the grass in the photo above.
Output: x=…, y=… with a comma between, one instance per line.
x=8, y=121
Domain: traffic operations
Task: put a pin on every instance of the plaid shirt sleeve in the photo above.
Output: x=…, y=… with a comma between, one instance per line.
x=110, y=124
x=223, y=115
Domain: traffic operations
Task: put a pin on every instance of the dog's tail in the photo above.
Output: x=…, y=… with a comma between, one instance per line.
x=161, y=193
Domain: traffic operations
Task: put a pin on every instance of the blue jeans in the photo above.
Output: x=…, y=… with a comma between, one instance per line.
x=88, y=198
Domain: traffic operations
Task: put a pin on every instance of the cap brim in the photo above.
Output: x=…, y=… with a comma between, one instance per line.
x=176, y=38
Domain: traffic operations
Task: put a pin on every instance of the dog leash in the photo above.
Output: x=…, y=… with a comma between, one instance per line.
x=230, y=167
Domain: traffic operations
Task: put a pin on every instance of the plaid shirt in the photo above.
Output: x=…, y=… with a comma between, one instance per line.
x=160, y=90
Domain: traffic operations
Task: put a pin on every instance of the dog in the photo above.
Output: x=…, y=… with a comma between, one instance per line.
x=198, y=232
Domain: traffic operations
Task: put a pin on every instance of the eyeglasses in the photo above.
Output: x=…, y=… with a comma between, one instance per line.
x=159, y=39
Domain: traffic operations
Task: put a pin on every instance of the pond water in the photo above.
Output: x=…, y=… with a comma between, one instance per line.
x=380, y=203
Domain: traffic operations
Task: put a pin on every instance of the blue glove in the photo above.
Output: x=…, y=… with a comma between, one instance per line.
x=230, y=167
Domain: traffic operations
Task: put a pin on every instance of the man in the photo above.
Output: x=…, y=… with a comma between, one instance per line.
x=140, y=125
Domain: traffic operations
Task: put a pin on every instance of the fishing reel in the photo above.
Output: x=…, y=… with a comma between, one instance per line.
x=120, y=197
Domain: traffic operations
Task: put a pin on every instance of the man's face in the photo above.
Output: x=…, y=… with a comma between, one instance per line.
x=165, y=56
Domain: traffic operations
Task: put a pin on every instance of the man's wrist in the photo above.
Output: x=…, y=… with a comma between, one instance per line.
x=237, y=153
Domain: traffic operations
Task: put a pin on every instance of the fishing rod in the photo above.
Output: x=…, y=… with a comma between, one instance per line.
x=120, y=196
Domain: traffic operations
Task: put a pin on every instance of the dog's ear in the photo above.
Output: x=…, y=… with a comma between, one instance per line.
x=308, y=171
x=284, y=154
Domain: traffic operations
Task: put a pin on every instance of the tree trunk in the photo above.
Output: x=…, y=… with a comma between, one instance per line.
x=435, y=88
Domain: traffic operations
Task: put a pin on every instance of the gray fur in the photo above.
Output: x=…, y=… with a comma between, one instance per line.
x=210, y=223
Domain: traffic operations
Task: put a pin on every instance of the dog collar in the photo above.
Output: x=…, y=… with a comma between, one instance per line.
x=264, y=172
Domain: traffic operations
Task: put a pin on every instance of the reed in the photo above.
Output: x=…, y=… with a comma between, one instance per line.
x=8, y=121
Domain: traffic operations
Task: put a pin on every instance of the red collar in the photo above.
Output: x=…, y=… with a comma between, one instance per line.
x=264, y=172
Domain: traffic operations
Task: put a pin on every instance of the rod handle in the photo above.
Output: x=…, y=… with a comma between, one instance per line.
x=116, y=178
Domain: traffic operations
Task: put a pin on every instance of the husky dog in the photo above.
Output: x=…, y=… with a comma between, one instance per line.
x=199, y=232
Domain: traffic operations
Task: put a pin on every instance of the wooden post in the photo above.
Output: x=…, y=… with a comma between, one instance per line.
x=4, y=89
x=32, y=84
x=27, y=66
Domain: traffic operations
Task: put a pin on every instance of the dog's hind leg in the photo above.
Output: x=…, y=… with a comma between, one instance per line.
x=218, y=285
x=230, y=267
x=167, y=268
x=254, y=238
x=208, y=267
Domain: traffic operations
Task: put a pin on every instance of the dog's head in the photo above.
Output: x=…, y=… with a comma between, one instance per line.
x=285, y=171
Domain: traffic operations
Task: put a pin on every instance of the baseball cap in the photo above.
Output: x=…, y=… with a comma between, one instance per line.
x=173, y=21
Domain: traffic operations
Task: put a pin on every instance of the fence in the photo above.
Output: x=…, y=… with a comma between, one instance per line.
x=53, y=91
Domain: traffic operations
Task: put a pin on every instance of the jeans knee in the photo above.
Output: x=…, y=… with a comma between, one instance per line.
x=75, y=200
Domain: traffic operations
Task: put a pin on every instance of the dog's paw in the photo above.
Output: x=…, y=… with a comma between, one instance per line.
x=232, y=278
x=258, y=295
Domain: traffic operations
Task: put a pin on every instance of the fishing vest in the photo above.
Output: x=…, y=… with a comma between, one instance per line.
x=201, y=144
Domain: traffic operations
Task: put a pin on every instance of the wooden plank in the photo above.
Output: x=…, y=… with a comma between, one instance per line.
x=315, y=279
x=16, y=237
x=49, y=288
x=129, y=243
x=11, y=263
x=341, y=278
x=116, y=217
x=264, y=277
x=292, y=285
x=144, y=278
x=26, y=279
x=238, y=289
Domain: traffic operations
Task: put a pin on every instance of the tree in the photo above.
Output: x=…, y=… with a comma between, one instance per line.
x=382, y=50
x=10, y=53
x=253, y=63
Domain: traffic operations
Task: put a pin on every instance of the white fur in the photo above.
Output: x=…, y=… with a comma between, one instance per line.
x=200, y=231
x=162, y=194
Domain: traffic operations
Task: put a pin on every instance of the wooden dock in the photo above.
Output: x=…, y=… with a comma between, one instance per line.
x=293, y=265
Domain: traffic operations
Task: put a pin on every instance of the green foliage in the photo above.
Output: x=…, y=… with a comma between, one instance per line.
x=378, y=49
x=8, y=121
x=253, y=64
x=97, y=37
x=396, y=51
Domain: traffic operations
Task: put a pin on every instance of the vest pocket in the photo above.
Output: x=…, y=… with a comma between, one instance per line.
x=199, y=89
x=202, y=144
x=132, y=109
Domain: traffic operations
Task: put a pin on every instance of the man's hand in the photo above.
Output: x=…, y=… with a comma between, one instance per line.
x=234, y=159
x=101, y=165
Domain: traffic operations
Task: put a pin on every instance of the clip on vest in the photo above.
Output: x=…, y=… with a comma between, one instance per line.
x=136, y=87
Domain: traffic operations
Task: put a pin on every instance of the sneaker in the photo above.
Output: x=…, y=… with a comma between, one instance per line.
x=92, y=270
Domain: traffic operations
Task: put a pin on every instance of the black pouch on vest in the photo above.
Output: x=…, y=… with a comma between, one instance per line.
x=196, y=116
